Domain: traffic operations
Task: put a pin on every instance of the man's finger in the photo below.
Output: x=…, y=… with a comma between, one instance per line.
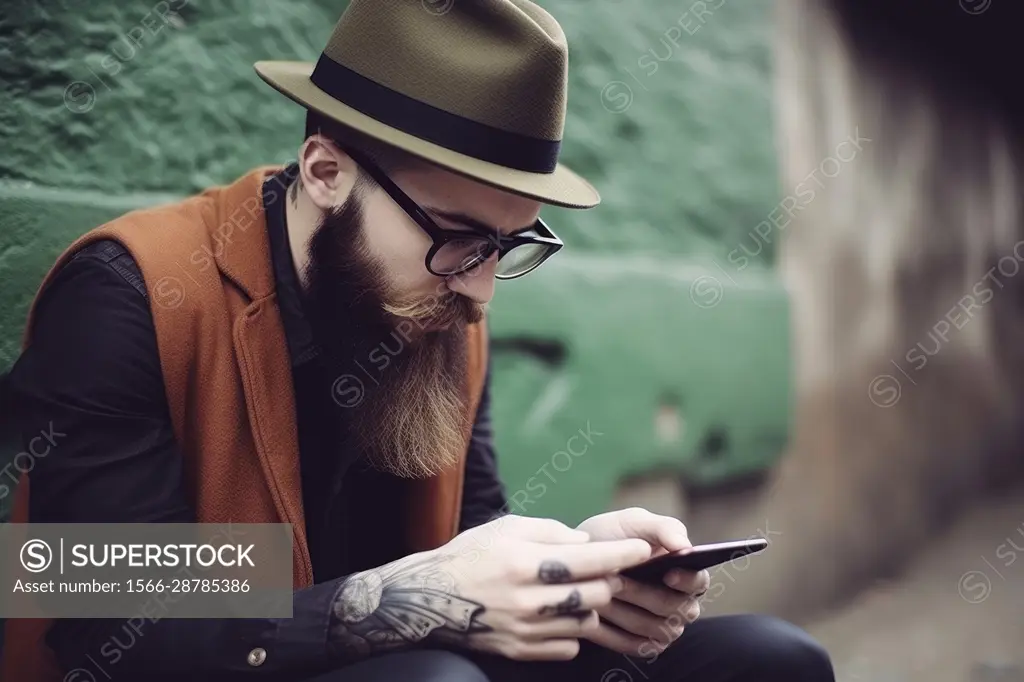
x=546, y=531
x=640, y=622
x=562, y=627
x=576, y=599
x=660, y=531
x=545, y=650
x=656, y=599
x=691, y=582
x=594, y=559
x=611, y=637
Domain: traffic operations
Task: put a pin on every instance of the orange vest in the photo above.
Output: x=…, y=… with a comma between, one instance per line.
x=229, y=386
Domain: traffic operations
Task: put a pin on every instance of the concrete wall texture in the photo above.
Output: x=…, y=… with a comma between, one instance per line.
x=670, y=325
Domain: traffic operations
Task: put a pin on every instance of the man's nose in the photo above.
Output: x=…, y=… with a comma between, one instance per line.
x=476, y=284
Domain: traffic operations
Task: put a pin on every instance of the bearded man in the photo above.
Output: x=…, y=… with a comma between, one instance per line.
x=307, y=345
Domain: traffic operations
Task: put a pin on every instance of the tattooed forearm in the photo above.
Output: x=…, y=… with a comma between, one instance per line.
x=398, y=605
x=554, y=573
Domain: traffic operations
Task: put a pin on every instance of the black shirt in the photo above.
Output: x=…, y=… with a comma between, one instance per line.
x=92, y=373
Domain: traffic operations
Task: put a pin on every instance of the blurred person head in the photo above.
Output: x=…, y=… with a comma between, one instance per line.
x=899, y=129
x=931, y=197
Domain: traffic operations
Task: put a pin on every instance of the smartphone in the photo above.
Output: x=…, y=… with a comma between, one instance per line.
x=695, y=558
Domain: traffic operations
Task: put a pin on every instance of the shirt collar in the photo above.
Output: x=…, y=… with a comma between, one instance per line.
x=299, y=334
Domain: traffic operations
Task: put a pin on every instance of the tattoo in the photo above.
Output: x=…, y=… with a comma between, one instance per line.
x=554, y=573
x=400, y=604
x=570, y=606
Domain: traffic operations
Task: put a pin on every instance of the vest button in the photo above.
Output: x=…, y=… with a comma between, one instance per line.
x=256, y=657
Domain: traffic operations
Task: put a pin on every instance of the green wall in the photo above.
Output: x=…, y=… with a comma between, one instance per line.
x=109, y=105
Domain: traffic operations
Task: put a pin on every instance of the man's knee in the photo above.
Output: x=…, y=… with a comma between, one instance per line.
x=439, y=666
x=410, y=666
x=446, y=666
x=781, y=650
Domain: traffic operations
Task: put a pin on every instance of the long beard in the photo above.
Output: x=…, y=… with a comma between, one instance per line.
x=400, y=364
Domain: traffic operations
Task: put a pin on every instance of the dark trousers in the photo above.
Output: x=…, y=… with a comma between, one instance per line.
x=744, y=648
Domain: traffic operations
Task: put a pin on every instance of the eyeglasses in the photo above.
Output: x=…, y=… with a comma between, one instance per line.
x=456, y=251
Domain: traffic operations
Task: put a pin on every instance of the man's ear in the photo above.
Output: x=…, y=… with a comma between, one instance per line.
x=326, y=172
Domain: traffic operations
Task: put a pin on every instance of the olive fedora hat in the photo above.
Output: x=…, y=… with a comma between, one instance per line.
x=474, y=86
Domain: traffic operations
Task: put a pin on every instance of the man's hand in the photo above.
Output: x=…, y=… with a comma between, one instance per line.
x=520, y=587
x=642, y=620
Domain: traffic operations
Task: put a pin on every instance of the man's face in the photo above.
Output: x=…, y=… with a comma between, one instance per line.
x=377, y=310
x=400, y=246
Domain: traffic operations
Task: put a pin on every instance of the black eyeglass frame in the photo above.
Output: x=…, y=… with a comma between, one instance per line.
x=440, y=236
